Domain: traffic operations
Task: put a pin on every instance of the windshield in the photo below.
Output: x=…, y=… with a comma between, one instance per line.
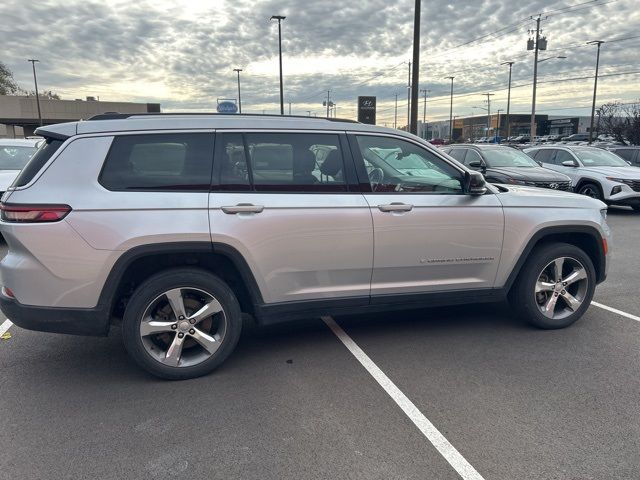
x=508, y=157
x=594, y=157
x=15, y=157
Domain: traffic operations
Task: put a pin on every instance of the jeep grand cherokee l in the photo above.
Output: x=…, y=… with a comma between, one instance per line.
x=174, y=225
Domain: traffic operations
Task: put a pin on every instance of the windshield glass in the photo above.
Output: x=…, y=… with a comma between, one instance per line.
x=594, y=157
x=15, y=158
x=508, y=157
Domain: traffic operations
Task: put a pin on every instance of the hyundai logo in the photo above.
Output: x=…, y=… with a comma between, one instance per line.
x=555, y=186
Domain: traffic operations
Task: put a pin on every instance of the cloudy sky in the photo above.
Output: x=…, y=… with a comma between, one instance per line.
x=182, y=53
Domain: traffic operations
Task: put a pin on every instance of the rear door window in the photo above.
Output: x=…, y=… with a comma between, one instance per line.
x=35, y=164
x=458, y=154
x=544, y=156
x=163, y=162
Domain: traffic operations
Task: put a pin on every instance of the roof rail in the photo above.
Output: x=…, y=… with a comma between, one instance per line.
x=122, y=116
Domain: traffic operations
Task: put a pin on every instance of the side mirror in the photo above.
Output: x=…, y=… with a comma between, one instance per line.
x=569, y=163
x=474, y=183
x=477, y=165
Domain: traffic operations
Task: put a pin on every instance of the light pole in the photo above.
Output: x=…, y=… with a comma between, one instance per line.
x=409, y=98
x=395, y=116
x=488, y=95
x=595, y=87
x=451, y=112
x=279, y=18
x=35, y=81
x=415, y=80
x=498, y=125
x=424, y=113
x=238, y=70
x=508, y=120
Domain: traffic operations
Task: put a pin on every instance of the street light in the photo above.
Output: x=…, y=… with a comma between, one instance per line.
x=535, y=85
x=508, y=121
x=35, y=81
x=595, y=86
x=238, y=70
x=424, y=113
x=279, y=18
x=451, y=111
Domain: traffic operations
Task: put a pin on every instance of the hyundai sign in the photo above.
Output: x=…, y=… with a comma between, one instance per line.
x=227, y=107
x=367, y=110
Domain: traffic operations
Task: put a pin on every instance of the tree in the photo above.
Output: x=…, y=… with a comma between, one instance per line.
x=620, y=120
x=8, y=85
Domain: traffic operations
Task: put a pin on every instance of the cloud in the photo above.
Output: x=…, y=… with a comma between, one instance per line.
x=182, y=54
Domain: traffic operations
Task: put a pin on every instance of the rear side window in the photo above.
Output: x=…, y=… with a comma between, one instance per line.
x=458, y=154
x=42, y=155
x=625, y=153
x=283, y=162
x=164, y=162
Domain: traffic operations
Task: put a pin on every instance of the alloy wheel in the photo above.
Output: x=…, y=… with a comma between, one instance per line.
x=183, y=327
x=561, y=288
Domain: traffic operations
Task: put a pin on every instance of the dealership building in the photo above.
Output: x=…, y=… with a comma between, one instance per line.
x=19, y=114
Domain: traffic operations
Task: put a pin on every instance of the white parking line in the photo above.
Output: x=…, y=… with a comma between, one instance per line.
x=448, y=451
x=615, y=310
x=6, y=325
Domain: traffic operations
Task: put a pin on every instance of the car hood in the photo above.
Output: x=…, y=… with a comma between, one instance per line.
x=630, y=173
x=6, y=178
x=521, y=196
x=536, y=174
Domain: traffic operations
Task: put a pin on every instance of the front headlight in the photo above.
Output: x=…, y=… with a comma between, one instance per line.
x=603, y=212
x=515, y=181
x=614, y=179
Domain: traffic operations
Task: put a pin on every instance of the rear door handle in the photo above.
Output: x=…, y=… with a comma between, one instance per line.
x=243, y=208
x=395, y=207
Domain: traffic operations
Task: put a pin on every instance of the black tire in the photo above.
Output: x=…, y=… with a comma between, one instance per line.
x=523, y=296
x=152, y=289
x=592, y=190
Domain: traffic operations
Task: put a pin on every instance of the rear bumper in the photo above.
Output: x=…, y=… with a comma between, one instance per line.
x=75, y=321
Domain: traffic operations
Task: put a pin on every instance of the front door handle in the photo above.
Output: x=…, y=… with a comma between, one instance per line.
x=395, y=207
x=243, y=208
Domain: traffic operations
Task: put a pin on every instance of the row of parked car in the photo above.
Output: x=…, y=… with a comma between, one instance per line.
x=610, y=176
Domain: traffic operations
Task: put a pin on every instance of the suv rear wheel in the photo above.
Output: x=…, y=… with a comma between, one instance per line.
x=181, y=323
x=555, y=286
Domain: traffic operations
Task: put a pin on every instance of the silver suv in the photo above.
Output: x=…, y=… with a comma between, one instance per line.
x=176, y=225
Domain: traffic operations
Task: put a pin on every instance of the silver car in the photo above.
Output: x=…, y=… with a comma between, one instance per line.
x=594, y=172
x=175, y=225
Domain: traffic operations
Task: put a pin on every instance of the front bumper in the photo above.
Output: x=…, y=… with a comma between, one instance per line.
x=75, y=321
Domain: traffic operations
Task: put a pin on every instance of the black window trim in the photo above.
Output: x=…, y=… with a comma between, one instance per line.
x=365, y=185
x=351, y=185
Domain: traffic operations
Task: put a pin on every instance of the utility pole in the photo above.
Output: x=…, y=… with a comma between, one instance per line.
x=488, y=95
x=35, y=81
x=424, y=114
x=595, y=87
x=498, y=125
x=415, y=80
x=395, y=117
x=328, y=102
x=532, y=134
x=451, y=112
x=280, y=18
x=508, y=119
x=238, y=70
x=289, y=108
x=409, y=98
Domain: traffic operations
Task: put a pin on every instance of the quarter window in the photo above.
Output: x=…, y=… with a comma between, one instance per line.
x=395, y=165
x=165, y=162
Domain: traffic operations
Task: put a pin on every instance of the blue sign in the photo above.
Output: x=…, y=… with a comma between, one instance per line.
x=227, y=107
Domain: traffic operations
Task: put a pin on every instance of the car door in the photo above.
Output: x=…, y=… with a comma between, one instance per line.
x=429, y=236
x=286, y=203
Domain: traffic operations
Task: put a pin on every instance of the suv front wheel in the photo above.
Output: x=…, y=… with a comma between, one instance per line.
x=181, y=323
x=555, y=286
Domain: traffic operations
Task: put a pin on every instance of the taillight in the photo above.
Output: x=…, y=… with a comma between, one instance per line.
x=26, y=213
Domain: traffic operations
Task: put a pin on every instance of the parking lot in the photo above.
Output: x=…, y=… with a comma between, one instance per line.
x=294, y=402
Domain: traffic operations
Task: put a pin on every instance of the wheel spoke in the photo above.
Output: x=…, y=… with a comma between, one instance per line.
x=153, y=326
x=209, y=343
x=557, y=265
x=177, y=302
x=544, y=286
x=172, y=357
x=550, y=306
x=572, y=302
x=206, y=311
x=578, y=274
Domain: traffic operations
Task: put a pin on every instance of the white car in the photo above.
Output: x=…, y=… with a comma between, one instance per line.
x=14, y=155
x=594, y=172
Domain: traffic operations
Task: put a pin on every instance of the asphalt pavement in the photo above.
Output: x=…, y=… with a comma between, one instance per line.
x=292, y=402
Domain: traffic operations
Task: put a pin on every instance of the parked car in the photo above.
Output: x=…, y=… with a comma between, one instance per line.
x=630, y=154
x=175, y=225
x=594, y=172
x=501, y=164
x=437, y=141
x=576, y=137
x=14, y=155
x=521, y=139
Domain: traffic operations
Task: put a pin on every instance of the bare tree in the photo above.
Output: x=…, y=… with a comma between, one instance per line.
x=620, y=120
